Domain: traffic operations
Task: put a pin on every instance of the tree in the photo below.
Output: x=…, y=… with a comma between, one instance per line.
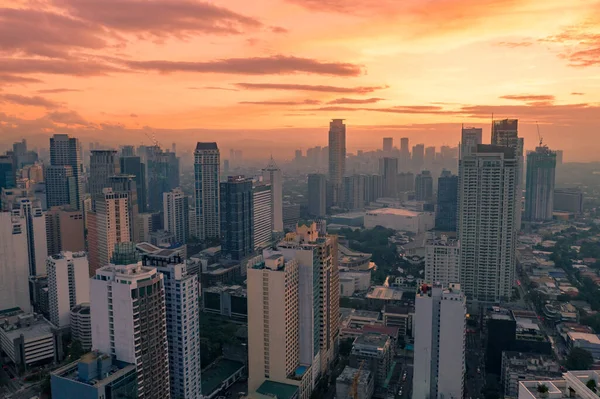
x=579, y=359
x=75, y=350
x=591, y=384
x=542, y=388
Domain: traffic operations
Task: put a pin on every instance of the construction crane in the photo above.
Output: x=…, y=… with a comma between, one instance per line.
x=152, y=138
x=539, y=134
x=355, y=380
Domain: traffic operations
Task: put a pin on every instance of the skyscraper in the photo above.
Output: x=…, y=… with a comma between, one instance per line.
x=8, y=172
x=64, y=230
x=272, y=174
x=388, y=168
x=37, y=242
x=61, y=186
x=439, y=325
x=14, y=262
x=418, y=157
x=487, y=222
x=207, y=168
x=337, y=159
x=539, y=193
x=263, y=214
x=470, y=138
x=429, y=156
x=126, y=184
x=66, y=151
x=129, y=322
x=442, y=260
x=237, y=217
x=162, y=175
x=132, y=165
x=317, y=195
x=404, y=153
x=424, y=186
x=406, y=182
x=446, y=214
x=373, y=188
x=176, y=215
x=103, y=165
x=68, y=285
x=388, y=144
x=354, y=192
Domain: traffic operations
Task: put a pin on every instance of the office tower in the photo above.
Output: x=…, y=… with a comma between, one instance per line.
x=429, y=156
x=68, y=285
x=406, y=182
x=446, y=214
x=64, y=230
x=162, y=175
x=237, y=217
x=126, y=185
x=470, y=138
x=61, y=186
x=354, y=192
x=145, y=226
x=8, y=172
x=424, y=186
x=539, y=193
x=226, y=167
x=129, y=322
x=373, y=188
x=337, y=159
x=273, y=326
x=388, y=144
x=263, y=214
x=81, y=322
x=66, y=151
x=207, y=165
x=176, y=218
x=559, y=157
x=132, y=165
x=418, y=157
x=568, y=200
x=291, y=215
x=183, y=324
x=298, y=155
x=34, y=173
x=317, y=195
x=439, y=325
x=37, y=244
x=103, y=165
x=272, y=174
x=404, y=146
x=107, y=226
x=388, y=168
x=442, y=260
x=127, y=151
x=14, y=263
x=487, y=222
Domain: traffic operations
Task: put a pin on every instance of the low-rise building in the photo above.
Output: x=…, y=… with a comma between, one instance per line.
x=344, y=384
x=573, y=384
x=589, y=342
x=29, y=340
x=379, y=296
x=375, y=353
x=81, y=325
x=353, y=321
x=400, y=219
x=518, y=366
x=226, y=300
x=399, y=316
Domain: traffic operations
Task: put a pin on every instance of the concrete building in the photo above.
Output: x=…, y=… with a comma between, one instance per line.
x=237, y=217
x=207, y=169
x=589, y=342
x=354, y=192
x=94, y=376
x=400, y=219
x=81, y=325
x=103, y=165
x=176, y=215
x=400, y=317
x=518, y=366
x=388, y=168
x=66, y=151
x=272, y=174
x=442, y=261
x=132, y=165
x=227, y=300
x=317, y=195
x=129, y=322
x=126, y=185
x=439, y=330
x=568, y=200
x=263, y=215
x=373, y=188
x=145, y=226
x=388, y=144
x=418, y=157
x=471, y=137
x=488, y=222
x=446, y=213
x=28, y=340
x=573, y=384
x=61, y=186
x=376, y=351
x=64, y=230
x=344, y=384
x=68, y=285
x=337, y=159
x=539, y=192
x=424, y=186
x=291, y=215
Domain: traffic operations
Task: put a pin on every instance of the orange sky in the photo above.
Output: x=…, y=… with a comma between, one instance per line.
x=273, y=72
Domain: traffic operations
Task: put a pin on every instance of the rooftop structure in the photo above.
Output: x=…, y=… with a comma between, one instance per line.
x=28, y=339
x=573, y=384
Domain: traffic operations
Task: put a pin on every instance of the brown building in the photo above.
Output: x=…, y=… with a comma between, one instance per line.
x=64, y=230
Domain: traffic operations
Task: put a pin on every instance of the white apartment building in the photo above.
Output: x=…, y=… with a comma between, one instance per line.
x=14, y=263
x=207, y=197
x=442, y=261
x=183, y=324
x=439, y=329
x=129, y=322
x=572, y=385
x=68, y=285
x=176, y=215
x=263, y=215
x=272, y=174
x=81, y=325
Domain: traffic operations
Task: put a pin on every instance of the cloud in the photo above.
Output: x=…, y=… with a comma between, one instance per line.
x=133, y=115
x=278, y=29
x=56, y=91
x=401, y=109
x=355, y=100
x=579, y=44
x=35, y=101
x=275, y=65
x=515, y=44
x=212, y=88
x=575, y=93
x=161, y=18
x=67, y=118
x=303, y=87
x=74, y=66
x=529, y=97
x=15, y=79
x=305, y=102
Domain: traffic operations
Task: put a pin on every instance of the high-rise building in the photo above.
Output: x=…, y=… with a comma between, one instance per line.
x=539, y=192
x=442, y=260
x=487, y=222
x=37, y=243
x=81, y=322
x=8, y=172
x=237, y=217
x=107, y=226
x=103, y=165
x=176, y=215
x=207, y=166
x=129, y=321
x=263, y=214
x=406, y=182
x=337, y=160
x=66, y=151
x=162, y=175
x=132, y=165
x=404, y=161
x=429, y=156
x=424, y=186
x=439, y=326
x=388, y=144
x=291, y=215
x=272, y=174
x=126, y=185
x=354, y=192
x=470, y=138
x=61, y=186
x=559, y=157
x=64, y=230
x=418, y=157
x=373, y=188
x=317, y=195
x=388, y=168
x=446, y=214
x=14, y=262
x=183, y=324
x=68, y=285
x=568, y=200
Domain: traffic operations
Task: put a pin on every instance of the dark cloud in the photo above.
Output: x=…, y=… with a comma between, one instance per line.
x=529, y=97
x=318, y=88
x=355, y=100
x=402, y=109
x=67, y=118
x=56, y=91
x=275, y=65
x=133, y=115
x=212, y=88
x=278, y=29
x=305, y=102
x=15, y=79
x=77, y=67
x=35, y=101
x=576, y=93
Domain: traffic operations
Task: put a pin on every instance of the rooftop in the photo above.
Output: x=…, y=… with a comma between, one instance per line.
x=394, y=212
x=579, y=336
x=278, y=390
x=378, y=341
x=385, y=294
x=213, y=376
x=30, y=326
x=349, y=373
x=206, y=146
x=236, y=290
x=116, y=370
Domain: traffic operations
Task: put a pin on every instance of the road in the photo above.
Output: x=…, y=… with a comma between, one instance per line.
x=474, y=381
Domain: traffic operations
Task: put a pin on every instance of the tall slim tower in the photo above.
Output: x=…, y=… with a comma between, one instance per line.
x=388, y=168
x=263, y=214
x=126, y=184
x=418, y=157
x=237, y=217
x=470, y=138
x=272, y=174
x=337, y=159
x=424, y=186
x=388, y=144
x=207, y=168
x=317, y=195
x=446, y=214
x=176, y=218
x=68, y=285
x=132, y=165
x=487, y=222
x=66, y=151
x=14, y=262
x=539, y=194
x=103, y=165
x=404, y=153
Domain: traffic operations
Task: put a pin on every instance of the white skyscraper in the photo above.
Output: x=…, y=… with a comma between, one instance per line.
x=442, y=261
x=487, y=222
x=176, y=215
x=129, y=322
x=207, y=197
x=272, y=174
x=68, y=285
x=14, y=263
x=263, y=214
x=439, y=327
x=183, y=324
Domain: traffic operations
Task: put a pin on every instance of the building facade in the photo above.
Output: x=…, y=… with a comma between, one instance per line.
x=272, y=174
x=66, y=151
x=176, y=218
x=68, y=285
x=442, y=261
x=207, y=169
x=14, y=263
x=64, y=230
x=132, y=165
x=103, y=165
x=539, y=191
x=237, y=217
x=446, y=214
x=388, y=168
x=317, y=195
x=81, y=325
x=263, y=214
x=424, y=186
x=337, y=159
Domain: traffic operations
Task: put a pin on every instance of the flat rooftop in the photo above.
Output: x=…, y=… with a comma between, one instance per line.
x=278, y=390
x=591, y=338
x=37, y=329
x=213, y=376
x=394, y=212
x=385, y=294
x=371, y=339
x=349, y=373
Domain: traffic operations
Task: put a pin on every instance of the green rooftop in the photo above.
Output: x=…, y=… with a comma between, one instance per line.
x=278, y=390
x=213, y=376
